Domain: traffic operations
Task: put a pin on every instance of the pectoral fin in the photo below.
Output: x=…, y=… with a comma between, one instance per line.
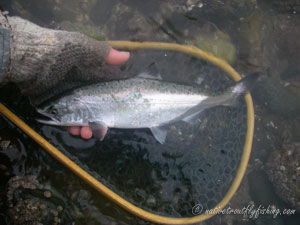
x=159, y=133
x=99, y=129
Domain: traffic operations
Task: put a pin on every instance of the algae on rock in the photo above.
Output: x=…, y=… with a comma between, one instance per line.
x=218, y=43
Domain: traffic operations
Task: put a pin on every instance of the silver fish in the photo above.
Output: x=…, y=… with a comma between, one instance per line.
x=140, y=102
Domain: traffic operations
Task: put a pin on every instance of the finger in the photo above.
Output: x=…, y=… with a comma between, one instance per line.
x=116, y=57
x=86, y=132
x=75, y=130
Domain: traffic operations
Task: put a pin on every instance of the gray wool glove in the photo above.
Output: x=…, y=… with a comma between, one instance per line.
x=45, y=62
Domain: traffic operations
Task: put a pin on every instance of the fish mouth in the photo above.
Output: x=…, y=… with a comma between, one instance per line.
x=50, y=120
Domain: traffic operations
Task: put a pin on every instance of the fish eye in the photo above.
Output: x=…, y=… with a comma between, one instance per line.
x=53, y=111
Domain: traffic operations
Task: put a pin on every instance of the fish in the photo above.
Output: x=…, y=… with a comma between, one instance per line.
x=144, y=101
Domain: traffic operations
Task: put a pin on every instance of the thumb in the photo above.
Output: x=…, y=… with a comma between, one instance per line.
x=116, y=57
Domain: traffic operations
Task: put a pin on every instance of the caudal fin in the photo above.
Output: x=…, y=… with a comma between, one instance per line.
x=233, y=95
x=246, y=84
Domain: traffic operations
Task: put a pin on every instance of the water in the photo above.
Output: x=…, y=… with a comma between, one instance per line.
x=251, y=35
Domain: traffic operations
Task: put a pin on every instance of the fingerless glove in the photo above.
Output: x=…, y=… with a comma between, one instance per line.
x=46, y=62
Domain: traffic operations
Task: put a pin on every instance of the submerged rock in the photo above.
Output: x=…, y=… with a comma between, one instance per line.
x=45, y=11
x=283, y=169
x=29, y=204
x=274, y=96
x=88, y=29
x=217, y=43
x=285, y=6
x=4, y=144
x=269, y=43
x=264, y=197
x=260, y=189
x=14, y=152
x=255, y=36
x=221, y=12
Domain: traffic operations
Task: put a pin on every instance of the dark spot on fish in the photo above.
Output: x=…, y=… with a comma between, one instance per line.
x=222, y=151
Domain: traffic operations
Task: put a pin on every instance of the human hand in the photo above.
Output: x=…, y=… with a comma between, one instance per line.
x=114, y=58
x=45, y=63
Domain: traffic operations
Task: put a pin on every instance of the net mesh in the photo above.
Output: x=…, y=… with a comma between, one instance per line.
x=196, y=165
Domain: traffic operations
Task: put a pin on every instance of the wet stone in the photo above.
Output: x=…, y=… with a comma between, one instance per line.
x=60, y=208
x=28, y=209
x=4, y=144
x=54, y=213
x=282, y=169
x=22, y=183
x=56, y=220
x=32, y=186
x=15, y=185
x=42, y=206
x=44, y=213
x=3, y=167
x=25, y=212
x=151, y=201
x=47, y=194
x=15, y=178
x=83, y=194
x=26, y=185
x=74, y=196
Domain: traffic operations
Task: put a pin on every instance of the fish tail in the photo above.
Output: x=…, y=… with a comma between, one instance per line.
x=246, y=84
x=232, y=97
